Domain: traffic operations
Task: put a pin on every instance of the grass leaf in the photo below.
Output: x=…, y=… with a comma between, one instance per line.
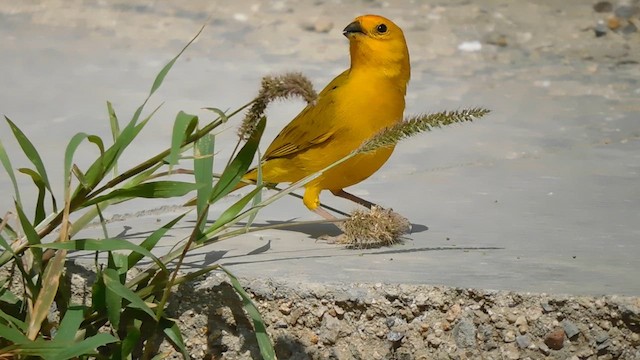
x=151, y=241
x=12, y=334
x=112, y=244
x=111, y=280
x=183, y=127
x=230, y=214
x=70, y=324
x=172, y=332
x=163, y=73
x=232, y=174
x=85, y=347
x=264, y=342
x=131, y=339
x=50, y=283
x=33, y=156
x=150, y=190
x=203, y=170
x=39, y=183
x=6, y=163
x=32, y=237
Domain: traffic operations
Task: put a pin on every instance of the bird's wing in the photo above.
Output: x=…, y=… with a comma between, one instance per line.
x=313, y=126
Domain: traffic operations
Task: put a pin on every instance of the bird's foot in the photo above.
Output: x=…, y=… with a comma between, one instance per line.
x=338, y=239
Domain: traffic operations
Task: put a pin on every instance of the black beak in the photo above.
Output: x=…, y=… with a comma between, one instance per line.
x=352, y=28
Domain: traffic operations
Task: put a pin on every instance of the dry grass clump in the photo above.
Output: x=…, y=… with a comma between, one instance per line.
x=372, y=229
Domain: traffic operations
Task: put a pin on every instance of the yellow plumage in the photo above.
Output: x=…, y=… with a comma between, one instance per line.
x=356, y=105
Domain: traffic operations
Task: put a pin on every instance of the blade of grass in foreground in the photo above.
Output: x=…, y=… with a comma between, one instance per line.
x=264, y=342
x=33, y=156
x=6, y=163
x=232, y=174
x=183, y=127
x=150, y=190
x=103, y=245
x=203, y=170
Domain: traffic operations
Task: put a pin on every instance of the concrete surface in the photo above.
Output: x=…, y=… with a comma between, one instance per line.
x=542, y=195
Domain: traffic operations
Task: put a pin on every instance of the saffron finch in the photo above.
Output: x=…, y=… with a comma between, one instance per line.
x=355, y=106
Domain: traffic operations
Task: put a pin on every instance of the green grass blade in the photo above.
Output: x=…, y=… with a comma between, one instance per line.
x=87, y=346
x=98, y=170
x=70, y=324
x=264, y=342
x=131, y=339
x=12, y=334
x=183, y=127
x=32, y=237
x=150, y=190
x=230, y=214
x=7, y=319
x=203, y=170
x=113, y=121
x=115, y=130
x=233, y=173
x=163, y=73
x=112, y=244
x=6, y=163
x=50, y=284
x=151, y=241
x=32, y=154
x=111, y=280
x=172, y=332
x=221, y=114
x=39, y=183
x=29, y=231
x=72, y=146
x=116, y=262
x=257, y=198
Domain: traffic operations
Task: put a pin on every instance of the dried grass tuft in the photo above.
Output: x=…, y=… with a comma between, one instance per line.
x=375, y=228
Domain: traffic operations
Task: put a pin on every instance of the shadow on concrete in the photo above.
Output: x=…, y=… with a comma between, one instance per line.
x=218, y=256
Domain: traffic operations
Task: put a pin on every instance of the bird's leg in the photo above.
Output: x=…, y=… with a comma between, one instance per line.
x=325, y=214
x=343, y=194
x=328, y=238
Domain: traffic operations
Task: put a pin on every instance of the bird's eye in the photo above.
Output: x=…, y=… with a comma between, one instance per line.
x=382, y=28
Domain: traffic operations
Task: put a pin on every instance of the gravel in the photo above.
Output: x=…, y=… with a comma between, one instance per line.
x=383, y=321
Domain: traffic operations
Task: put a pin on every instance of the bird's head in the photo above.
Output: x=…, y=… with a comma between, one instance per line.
x=376, y=41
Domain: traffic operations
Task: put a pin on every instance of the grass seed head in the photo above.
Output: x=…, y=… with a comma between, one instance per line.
x=272, y=88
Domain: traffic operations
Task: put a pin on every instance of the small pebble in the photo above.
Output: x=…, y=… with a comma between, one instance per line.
x=470, y=46
x=603, y=346
x=285, y=309
x=544, y=349
x=523, y=341
x=555, y=339
x=547, y=307
x=601, y=337
x=497, y=40
x=613, y=23
x=600, y=30
x=602, y=7
x=394, y=336
x=630, y=28
x=509, y=336
x=570, y=329
x=625, y=11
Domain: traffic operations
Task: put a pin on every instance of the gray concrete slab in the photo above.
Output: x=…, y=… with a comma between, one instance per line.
x=543, y=195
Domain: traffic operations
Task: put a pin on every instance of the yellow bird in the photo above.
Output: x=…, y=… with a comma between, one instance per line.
x=355, y=106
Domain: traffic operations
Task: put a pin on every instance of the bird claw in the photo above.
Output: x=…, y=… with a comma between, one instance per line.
x=339, y=239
